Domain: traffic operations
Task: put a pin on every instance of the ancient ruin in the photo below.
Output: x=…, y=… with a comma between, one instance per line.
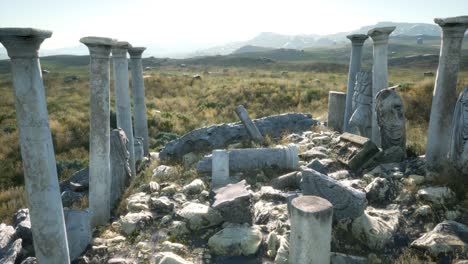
x=138, y=93
x=336, y=110
x=99, y=123
x=361, y=117
x=122, y=96
x=37, y=151
x=379, y=70
x=458, y=153
x=443, y=103
x=391, y=119
x=357, y=41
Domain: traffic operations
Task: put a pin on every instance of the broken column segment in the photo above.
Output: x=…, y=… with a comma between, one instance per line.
x=99, y=126
x=354, y=151
x=361, y=117
x=233, y=202
x=206, y=139
x=138, y=93
x=78, y=231
x=347, y=201
x=220, y=165
x=37, y=152
x=379, y=37
x=336, y=110
x=311, y=229
x=443, y=101
x=122, y=97
x=119, y=162
x=281, y=157
x=253, y=131
x=357, y=41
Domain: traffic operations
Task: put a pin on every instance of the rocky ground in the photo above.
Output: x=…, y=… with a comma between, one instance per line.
x=387, y=213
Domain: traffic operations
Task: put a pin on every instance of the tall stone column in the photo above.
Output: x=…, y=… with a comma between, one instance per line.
x=138, y=93
x=357, y=41
x=37, y=151
x=445, y=97
x=379, y=71
x=99, y=124
x=122, y=97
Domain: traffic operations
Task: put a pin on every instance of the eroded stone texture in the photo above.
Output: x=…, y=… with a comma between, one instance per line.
x=119, y=162
x=37, y=152
x=458, y=153
x=280, y=157
x=443, y=102
x=78, y=231
x=357, y=41
x=336, y=110
x=391, y=119
x=347, y=201
x=354, y=151
x=233, y=202
x=220, y=136
x=122, y=97
x=379, y=37
x=236, y=240
x=361, y=117
x=311, y=227
x=249, y=125
x=99, y=125
x=138, y=94
x=448, y=237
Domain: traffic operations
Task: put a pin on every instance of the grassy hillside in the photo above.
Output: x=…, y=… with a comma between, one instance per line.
x=265, y=86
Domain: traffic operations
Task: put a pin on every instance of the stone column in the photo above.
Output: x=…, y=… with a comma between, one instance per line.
x=282, y=157
x=122, y=97
x=99, y=125
x=37, y=151
x=311, y=227
x=357, y=41
x=138, y=93
x=336, y=110
x=220, y=172
x=444, y=98
x=249, y=125
x=379, y=71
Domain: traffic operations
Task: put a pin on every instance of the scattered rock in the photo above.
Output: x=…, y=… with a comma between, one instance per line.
x=178, y=229
x=347, y=202
x=162, y=204
x=282, y=256
x=170, y=258
x=9, y=254
x=288, y=181
x=339, y=258
x=170, y=190
x=233, y=202
x=138, y=202
x=448, y=237
x=133, y=221
x=200, y=216
x=164, y=172
x=154, y=187
x=71, y=197
x=438, y=196
x=381, y=191
x=22, y=224
x=194, y=188
x=176, y=248
x=236, y=240
x=376, y=227
x=354, y=151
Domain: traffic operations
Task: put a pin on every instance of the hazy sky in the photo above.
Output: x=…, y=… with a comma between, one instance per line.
x=192, y=22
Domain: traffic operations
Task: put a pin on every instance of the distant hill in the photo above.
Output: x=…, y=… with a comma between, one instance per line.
x=250, y=48
x=274, y=40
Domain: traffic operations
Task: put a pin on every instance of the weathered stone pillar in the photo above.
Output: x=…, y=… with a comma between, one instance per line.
x=122, y=97
x=281, y=157
x=37, y=151
x=444, y=98
x=311, y=227
x=138, y=93
x=220, y=172
x=99, y=126
x=357, y=41
x=119, y=162
x=379, y=71
x=336, y=110
x=249, y=125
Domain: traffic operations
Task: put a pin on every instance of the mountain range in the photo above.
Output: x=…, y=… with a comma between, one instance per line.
x=265, y=40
